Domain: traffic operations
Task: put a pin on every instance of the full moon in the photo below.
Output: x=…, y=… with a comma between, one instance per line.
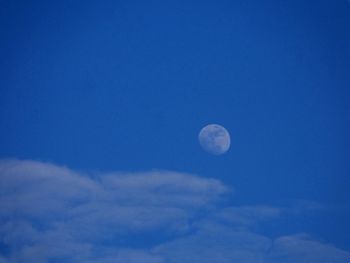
x=214, y=139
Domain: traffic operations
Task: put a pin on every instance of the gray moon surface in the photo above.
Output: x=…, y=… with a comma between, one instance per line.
x=214, y=139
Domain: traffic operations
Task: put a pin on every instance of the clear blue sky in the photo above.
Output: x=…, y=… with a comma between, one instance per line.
x=127, y=85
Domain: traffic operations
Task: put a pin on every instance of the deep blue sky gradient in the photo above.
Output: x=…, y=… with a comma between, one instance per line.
x=127, y=85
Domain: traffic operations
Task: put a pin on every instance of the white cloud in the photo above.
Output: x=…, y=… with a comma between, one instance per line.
x=301, y=248
x=48, y=212
x=52, y=211
x=216, y=243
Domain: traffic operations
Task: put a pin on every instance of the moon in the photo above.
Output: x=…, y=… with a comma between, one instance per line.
x=214, y=139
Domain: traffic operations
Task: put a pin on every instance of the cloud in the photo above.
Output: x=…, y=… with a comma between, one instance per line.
x=301, y=248
x=50, y=213
x=216, y=243
x=247, y=215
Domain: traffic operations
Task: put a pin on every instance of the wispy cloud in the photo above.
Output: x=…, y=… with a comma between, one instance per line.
x=50, y=213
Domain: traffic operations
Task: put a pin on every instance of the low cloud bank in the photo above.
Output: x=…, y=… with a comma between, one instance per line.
x=50, y=213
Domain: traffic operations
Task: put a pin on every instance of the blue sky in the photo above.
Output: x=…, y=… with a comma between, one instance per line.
x=101, y=105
